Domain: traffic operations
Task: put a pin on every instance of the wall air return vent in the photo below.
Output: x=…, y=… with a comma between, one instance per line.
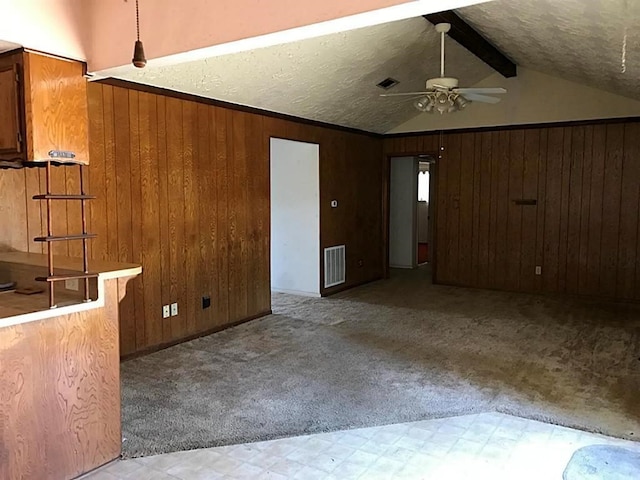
x=387, y=83
x=334, y=266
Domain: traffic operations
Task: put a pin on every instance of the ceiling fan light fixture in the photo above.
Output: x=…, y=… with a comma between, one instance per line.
x=461, y=102
x=423, y=104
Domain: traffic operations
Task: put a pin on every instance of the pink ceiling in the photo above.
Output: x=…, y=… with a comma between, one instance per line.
x=174, y=26
x=102, y=32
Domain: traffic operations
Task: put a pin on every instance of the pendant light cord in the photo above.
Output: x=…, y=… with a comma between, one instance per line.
x=137, y=22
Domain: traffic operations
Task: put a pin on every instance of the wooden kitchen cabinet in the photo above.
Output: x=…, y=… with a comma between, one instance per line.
x=43, y=109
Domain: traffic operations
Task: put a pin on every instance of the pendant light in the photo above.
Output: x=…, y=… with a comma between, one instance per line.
x=139, y=60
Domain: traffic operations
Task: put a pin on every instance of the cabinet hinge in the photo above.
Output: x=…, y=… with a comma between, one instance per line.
x=19, y=137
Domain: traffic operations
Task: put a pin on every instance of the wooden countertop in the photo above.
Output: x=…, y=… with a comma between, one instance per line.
x=16, y=309
x=105, y=268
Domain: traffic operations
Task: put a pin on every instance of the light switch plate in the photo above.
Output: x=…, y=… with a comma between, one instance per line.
x=166, y=312
x=174, y=309
x=538, y=270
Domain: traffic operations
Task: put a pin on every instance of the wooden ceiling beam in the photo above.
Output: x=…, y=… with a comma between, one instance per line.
x=469, y=38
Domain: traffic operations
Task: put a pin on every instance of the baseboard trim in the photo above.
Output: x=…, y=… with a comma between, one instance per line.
x=296, y=292
x=342, y=288
x=162, y=346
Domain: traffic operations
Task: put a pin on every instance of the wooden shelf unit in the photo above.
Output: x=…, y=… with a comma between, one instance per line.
x=49, y=198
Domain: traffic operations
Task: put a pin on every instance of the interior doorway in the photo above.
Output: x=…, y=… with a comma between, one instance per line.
x=411, y=212
x=423, y=218
x=295, y=217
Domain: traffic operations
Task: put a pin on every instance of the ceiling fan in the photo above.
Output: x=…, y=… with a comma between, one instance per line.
x=442, y=93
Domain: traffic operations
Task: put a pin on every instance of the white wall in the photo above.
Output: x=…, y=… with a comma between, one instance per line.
x=532, y=97
x=295, y=217
x=403, y=197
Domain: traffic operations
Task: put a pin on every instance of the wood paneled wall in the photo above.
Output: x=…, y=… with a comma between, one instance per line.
x=584, y=231
x=183, y=190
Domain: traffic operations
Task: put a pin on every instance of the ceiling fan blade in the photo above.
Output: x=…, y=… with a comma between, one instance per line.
x=474, y=97
x=402, y=94
x=490, y=91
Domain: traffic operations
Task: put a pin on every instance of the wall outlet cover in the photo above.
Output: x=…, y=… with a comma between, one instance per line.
x=538, y=270
x=166, y=312
x=174, y=309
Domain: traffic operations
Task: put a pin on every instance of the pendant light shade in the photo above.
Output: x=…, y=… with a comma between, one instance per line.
x=138, y=60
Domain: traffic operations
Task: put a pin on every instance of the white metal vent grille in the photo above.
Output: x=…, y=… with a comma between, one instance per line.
x=334, y=266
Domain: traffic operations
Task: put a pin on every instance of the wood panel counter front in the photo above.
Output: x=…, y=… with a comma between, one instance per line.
x=60, y=379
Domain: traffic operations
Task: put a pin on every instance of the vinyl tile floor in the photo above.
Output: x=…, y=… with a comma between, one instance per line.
x=484, y=446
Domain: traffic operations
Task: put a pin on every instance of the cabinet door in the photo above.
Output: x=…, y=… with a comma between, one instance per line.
x=10, y=137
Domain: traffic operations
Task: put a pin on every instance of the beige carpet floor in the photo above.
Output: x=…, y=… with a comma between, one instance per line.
x=391, y=351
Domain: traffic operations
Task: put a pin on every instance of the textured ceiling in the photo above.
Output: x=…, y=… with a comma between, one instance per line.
x=332, y=78
x=579, y=40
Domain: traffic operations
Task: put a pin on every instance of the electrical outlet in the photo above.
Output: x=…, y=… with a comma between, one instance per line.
x=72, y=284
x=538, y=270
x=174, y=309
x=166, y=313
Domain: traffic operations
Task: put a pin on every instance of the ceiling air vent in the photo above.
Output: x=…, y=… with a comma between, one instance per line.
x=387, y=83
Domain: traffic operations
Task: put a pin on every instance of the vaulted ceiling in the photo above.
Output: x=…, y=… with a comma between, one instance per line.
x=333, y=78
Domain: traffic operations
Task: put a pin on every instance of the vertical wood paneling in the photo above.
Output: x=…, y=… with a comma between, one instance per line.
x=465, y=209
x=110, y=191
x=163, y=209
x=190, y=180
x=611, y=209
x=452, y=157
x=13, y=210
x=175, y=172
x=136, y=285
x=501, y=148
x=514, y=217
x=630, y=192
x=541, y=194
x=585, y=211
x=206, y=209
x=528, y=233
x=584, y=231
x=222, y=185
x=97, y=207
x=552, y=210
x=565, y=189
x=239, y=241
x=150, y=219
x=34, y=209
x=122, y=180
x=484, y=208
x=594, y=248
x=576, y=167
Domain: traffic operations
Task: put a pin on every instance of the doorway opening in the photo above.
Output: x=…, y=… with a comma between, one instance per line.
x=411, y=212
x=295, y=217
x=422, y=219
